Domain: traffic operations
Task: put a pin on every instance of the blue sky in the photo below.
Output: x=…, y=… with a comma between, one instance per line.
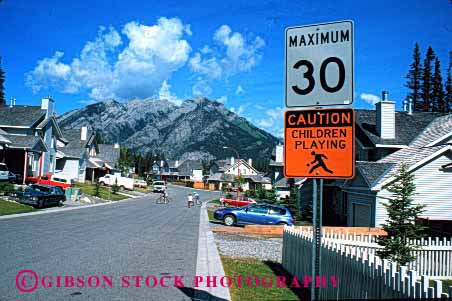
x=85, y=51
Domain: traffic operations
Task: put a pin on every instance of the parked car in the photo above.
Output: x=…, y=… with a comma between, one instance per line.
x=140, y=183
x=259, y=214
x=4, y=172
x=159, y=186
x=40, y=196
x=240, y=202
x=57, y=180
x=122, y=182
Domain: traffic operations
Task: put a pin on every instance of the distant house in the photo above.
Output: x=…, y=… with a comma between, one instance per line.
x=190, y=170
x=105, y=161
x=384, y=140
x=73, y=156
x=223, y=173
x=32, y=133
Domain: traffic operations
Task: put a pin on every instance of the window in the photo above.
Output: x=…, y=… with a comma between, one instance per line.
x=3, y=167
x=258, y=209
x=277, y=211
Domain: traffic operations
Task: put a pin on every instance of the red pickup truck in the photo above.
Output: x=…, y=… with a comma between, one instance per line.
x=240, y=202
x=61, y=181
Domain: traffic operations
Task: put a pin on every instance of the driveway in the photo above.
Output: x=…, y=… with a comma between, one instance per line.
x=119, y=241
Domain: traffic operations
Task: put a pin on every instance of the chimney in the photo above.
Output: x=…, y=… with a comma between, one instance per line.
x=250, y=162
x=410, y=106
x=232, y=161
x=386, y=117
x=48, y=105
x=176, y=163
x=116, y=145
x=279, y=153
x=83, y=133
x=405, y=105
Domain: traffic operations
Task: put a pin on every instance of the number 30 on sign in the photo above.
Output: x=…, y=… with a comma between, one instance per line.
x=319, y=64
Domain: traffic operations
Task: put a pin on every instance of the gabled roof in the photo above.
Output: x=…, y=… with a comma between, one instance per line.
x=436, y=131
x=373, y=171
x=3, y=139
x=76, y=147
x=412, y=157
x=21, y=116
x=185, y=169
x=109, y=154
x=258, y=179
x=408, y=127
x=26, y=142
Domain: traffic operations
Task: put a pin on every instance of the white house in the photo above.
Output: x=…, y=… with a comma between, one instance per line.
x=73, y=155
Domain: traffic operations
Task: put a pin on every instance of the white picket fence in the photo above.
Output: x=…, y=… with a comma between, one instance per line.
x=361, y=273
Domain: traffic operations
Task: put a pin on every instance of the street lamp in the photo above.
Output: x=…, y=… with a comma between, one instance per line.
x=238, y=166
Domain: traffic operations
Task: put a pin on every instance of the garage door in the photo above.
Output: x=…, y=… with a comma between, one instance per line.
x=361, y=215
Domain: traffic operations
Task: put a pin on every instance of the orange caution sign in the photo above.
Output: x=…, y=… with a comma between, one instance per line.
x=319, y=143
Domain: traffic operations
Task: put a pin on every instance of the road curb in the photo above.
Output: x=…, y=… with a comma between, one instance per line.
x=209, y=262
x=11, y=216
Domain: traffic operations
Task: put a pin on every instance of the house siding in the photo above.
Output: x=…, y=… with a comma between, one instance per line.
x=70, y=168
x=433, y=189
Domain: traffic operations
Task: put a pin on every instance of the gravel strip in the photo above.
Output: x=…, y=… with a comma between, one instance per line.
x=249, y=246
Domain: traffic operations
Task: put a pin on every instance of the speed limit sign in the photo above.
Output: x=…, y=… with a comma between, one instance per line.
x=319, y=64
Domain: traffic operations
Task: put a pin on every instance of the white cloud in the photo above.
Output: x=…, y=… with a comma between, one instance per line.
x=239, y=90
x=230, y=54
x=273, y=121
x=165, y=93
x=369, y=98
x=223, y=99
x=239, y=111
x=152, y=54
x=201, y=88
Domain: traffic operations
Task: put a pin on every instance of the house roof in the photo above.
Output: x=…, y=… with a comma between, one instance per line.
x=20, y=116
x=408, y=126
x=185, y=169
x=75, y=146
x=172, y=163
x=373, y=171
x=25, y=142
x=258, y=179
x=3, y=139
x=436, y=131
x=109, y=154
x=274, y=163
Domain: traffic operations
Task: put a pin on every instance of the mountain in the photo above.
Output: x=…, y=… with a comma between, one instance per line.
x=197, y=129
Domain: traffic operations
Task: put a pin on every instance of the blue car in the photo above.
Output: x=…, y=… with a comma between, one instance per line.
x=260, y=214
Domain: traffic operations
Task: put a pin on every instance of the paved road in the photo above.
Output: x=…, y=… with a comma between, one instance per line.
x=131, y=238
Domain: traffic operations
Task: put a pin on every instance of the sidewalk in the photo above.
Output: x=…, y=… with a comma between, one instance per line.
x=208, y=262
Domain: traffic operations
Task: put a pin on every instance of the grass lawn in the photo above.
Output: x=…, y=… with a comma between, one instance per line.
x=446, y=284
x=143, y=190
x=253, y=267
x=12, y=208
x=104, y=192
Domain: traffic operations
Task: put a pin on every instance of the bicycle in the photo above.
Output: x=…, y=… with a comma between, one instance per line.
x=163, y=199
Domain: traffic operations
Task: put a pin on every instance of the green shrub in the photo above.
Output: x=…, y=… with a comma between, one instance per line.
x=6, y=188
x=115, y=187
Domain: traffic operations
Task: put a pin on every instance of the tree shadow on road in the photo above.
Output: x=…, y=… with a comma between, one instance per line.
x=196, y=294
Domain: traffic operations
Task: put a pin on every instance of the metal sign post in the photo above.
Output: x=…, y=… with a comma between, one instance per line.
x=317, y=200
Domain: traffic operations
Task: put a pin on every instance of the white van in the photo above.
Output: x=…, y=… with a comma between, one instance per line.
x=122, y=182
x=159, y=186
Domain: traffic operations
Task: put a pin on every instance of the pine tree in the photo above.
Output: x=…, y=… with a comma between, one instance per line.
x=437, y=90
x=400, y=225
x=426, y=88
x=2, y=85
x=448, y=86
x=414, y=77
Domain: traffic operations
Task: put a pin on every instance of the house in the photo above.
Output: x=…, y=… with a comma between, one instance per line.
x=384, y=140
x=32, y=132
x=105, y=161
x=73, y=155
x=190, y=170
x=224, y=173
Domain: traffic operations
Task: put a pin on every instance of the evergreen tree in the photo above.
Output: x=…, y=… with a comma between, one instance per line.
x=414, y=77
x=400, y=225
x=437, y=89
x=427, y=80
x=2, y=85
x=448, y=86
